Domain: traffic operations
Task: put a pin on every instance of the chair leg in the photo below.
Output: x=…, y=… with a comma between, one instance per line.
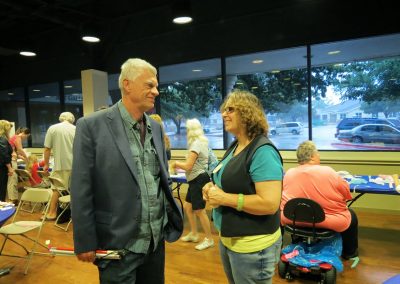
x=69, y=223
x=58, y=218
x=4, y=243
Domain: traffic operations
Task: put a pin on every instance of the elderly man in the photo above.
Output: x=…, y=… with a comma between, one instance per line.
x=120, y=189
x=59, y=140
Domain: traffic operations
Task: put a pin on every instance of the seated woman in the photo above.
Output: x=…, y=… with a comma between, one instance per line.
x=323, y=185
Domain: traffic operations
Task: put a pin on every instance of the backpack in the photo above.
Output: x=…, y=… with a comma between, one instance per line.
x=212, y=161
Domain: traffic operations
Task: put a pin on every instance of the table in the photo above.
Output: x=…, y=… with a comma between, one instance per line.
x=22, y=167
x=179, y=179
x=6, y=211
x=368, y=187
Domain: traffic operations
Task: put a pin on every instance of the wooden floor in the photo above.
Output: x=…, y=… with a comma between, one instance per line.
x=379, y=239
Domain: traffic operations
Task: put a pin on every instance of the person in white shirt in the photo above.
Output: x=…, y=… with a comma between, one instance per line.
x=59, y=141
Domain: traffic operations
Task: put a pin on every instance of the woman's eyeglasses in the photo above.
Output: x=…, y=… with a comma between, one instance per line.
x=229, y=110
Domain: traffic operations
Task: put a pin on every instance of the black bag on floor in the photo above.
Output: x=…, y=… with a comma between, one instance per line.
x=65, y=216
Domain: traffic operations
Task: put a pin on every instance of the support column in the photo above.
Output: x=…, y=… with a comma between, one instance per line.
x=94, y=90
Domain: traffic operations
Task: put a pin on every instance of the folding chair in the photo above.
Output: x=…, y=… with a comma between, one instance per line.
x=64, y=200
x=19, y=226
x=25, y=177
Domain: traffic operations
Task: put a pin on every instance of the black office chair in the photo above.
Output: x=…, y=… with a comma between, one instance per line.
x=308, y=211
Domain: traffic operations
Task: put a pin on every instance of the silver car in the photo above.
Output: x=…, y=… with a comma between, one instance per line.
x=288, y=127
x=368, y=133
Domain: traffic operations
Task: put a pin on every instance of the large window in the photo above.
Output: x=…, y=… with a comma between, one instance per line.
x=191, y=90
x=13, y=106
x=363, y=88
x=73, y=97
x=113, y=88
x=353, y=83
x=279, y=80
x=45, y=110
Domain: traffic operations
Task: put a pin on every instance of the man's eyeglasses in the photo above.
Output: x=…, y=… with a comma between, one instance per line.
x=229, y=110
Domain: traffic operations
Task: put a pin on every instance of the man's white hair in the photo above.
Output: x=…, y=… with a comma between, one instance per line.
x=67, y=116
x=132, y=68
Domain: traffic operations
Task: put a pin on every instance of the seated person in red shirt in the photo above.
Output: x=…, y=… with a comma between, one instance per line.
x=33, y=167
x=323, y=185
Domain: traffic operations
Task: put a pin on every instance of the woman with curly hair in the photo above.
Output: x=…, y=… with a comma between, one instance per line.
x=246, y=193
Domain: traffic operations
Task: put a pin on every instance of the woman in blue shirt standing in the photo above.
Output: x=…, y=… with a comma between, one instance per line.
x=246, y=193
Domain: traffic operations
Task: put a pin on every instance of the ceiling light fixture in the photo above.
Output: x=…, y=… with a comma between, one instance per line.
x=67, y=86
x=182, y=12
x=27, y=53
x=90, y=33
x=90, y=38
x=258, y=61
x=196, y=70
x=334, y=52
x=36, y=90
x=11, y=94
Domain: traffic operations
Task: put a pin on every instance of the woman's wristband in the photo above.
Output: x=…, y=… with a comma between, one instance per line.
x=240, y=202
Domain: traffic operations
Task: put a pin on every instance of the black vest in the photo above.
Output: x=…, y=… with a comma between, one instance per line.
x=236, y=179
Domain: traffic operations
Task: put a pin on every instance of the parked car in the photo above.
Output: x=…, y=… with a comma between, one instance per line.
x=350, y=123
x=288, y=127
x=395, y=122
x=371, y=133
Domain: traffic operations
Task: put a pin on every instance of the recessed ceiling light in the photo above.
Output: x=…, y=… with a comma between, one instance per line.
x=286, y=79
x=296, y=84
x=182, y=20
x=258, y=61
x=27, y=53
x=392, y=79
x=11, y=94
x=275, y=71
x=36, y=90
x=219, y=78
x=254, y=87
x=239, y=83
x=67, y=86
x=90, y=39
x=333, y=52
x=196, y=70
x=47, y=96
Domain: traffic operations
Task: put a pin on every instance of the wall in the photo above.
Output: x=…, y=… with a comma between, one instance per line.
x=362, y=163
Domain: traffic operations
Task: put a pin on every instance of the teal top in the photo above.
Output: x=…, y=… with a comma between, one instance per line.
x=265, y=165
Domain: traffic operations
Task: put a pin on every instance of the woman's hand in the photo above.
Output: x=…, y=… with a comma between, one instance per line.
x=205, y=190
x=10, y=172
x=214, y=195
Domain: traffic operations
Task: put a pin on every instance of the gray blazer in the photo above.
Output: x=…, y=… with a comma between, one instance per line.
x=105, y=195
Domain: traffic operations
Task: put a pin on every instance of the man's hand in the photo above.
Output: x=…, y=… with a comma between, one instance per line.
x=87, y=256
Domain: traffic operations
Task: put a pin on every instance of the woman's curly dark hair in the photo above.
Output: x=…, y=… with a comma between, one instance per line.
x=250, y=110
